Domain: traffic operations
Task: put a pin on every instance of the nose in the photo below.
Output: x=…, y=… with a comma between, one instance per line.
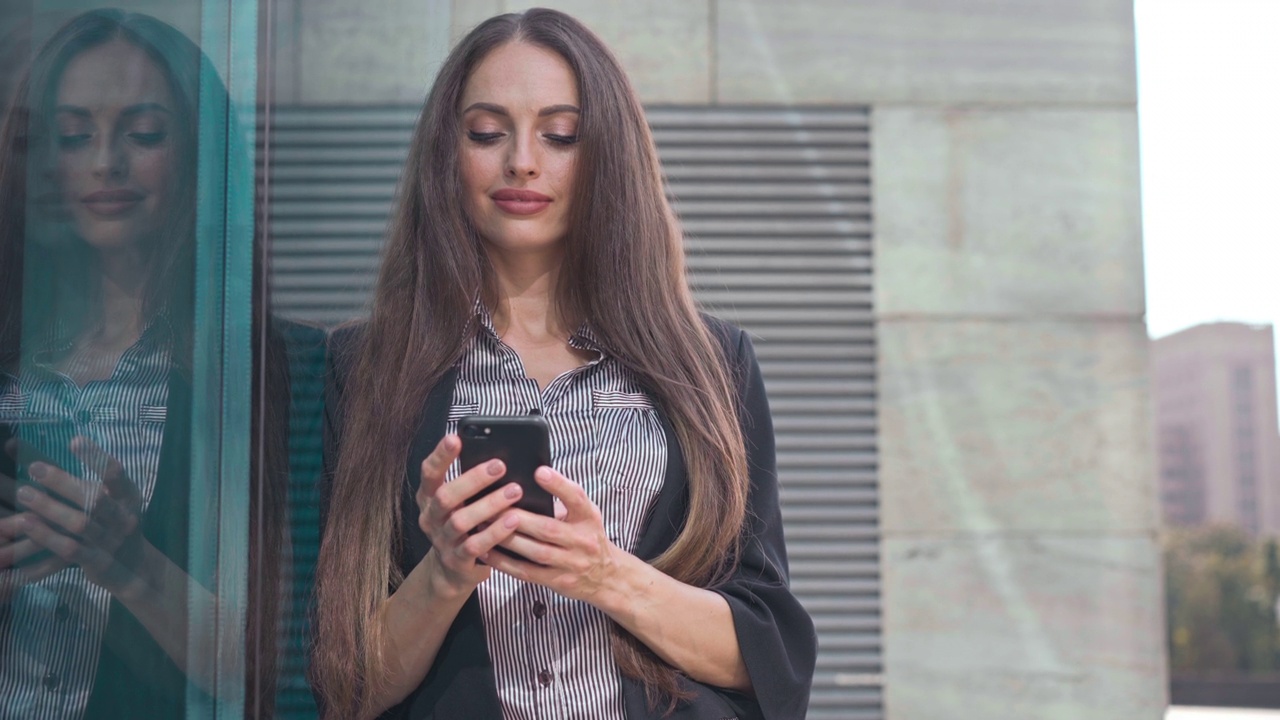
x=108, y=159
x=522, y=159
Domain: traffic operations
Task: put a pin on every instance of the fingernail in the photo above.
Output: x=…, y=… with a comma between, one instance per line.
x=495, y=467
x=511, y=520
x=26, y=495
x=38, y=470
x=512, y=491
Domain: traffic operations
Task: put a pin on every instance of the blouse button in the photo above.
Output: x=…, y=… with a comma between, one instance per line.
x=544, y=677
x=51, y=681
x=539, y=609
x=84, y=417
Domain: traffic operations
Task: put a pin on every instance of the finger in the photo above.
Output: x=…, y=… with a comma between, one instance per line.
x=436, y=465
x=546, y=530
x=537, y=552
x=481, y=544
x=561, y=512
x=470, y=518
x=456, y=494
x=10, y=527
x=63, y=546
x=15, y=552
x=69, y=519
x=43, y=569
x=576, y=501
x=517, y=568
x=67, y=487
x=113, y=475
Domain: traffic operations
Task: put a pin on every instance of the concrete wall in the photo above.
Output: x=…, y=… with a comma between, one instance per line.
x=1021, y=567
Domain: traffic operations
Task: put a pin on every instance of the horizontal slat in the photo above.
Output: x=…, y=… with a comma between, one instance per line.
x=800, y=136
x=689, y=207
x=775, y=227
x=721, y=116
x=677, y=173
x=762, y=155
x=812, y=189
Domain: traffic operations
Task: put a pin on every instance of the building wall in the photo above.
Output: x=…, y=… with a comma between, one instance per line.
x=1021, y=572
x=1217, y=430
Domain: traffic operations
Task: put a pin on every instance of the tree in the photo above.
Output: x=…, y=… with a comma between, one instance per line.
x=1221, y=591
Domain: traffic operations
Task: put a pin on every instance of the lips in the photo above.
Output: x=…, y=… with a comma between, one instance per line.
x=111, y=202
x=520, y=202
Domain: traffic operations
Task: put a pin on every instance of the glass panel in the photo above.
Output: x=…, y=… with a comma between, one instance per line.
x=136, y=507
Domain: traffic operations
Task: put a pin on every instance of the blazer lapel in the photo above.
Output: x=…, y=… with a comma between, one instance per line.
x=669, y=509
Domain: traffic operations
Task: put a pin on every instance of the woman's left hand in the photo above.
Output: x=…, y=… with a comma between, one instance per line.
x=571, y=555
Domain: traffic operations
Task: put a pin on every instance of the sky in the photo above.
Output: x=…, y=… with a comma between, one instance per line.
x=1209, y=118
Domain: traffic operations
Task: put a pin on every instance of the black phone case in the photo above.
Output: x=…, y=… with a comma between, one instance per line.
x=522, y=442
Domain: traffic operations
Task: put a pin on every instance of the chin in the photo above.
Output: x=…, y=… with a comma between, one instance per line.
x=109, y=239
x=524, y=239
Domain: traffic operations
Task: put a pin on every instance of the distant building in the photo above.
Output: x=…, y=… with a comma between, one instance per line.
x=1218, y=447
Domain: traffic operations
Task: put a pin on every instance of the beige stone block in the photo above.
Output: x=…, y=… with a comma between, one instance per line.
x=1010, y=628
x=933, y=51
x=1007, y=211
x=383, y=52
x=664, y=45
x=1015, y=427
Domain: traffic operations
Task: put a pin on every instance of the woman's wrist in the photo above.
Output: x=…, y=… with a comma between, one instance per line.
x=439, y=584
x=628, y=585
x=139, y=585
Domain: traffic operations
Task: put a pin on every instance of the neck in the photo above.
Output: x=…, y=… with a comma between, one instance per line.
x=525, y=304
x=120, y=301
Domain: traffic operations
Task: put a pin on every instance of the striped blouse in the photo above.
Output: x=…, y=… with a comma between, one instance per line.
x=51, y=630
x=552, y=656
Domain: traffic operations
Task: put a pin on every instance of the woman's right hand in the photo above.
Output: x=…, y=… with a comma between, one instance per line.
x=462, y=535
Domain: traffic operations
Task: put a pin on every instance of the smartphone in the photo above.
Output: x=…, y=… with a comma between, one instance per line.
x=522, y=442
x=25, y=440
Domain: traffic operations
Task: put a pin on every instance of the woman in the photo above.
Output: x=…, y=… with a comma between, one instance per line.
x=534, y=264
x=97, y=240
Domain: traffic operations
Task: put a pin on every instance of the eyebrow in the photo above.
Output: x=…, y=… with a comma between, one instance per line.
x=499, y=110
x=130, y=110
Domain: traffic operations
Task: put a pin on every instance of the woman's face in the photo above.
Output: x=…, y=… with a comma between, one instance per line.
x=519, y=147
x=116, y=152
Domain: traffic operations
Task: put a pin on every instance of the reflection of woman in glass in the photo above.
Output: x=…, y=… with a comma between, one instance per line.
x=534, y=263
x=97, y=235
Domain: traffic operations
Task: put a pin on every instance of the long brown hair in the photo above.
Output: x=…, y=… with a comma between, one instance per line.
x=625, y=256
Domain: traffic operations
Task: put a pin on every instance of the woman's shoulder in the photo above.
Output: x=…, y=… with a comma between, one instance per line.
x=346, y=338
x=731, y=336
x=344, y=344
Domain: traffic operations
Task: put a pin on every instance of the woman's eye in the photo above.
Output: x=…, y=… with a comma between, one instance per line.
x=483, y=138
x=148, y=139
x=562, y=139
x=70, y=141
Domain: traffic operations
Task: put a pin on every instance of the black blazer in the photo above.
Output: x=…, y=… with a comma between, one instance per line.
x=774, y=631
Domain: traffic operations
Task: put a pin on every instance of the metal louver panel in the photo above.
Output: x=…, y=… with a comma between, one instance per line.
x=776, y=205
